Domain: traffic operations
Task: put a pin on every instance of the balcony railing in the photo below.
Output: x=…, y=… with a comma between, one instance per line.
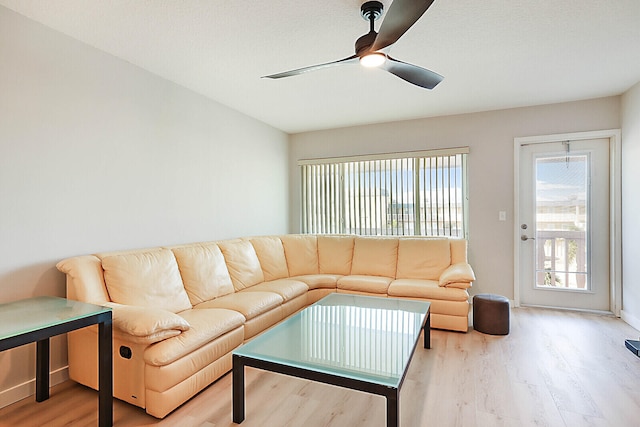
x=561, y=259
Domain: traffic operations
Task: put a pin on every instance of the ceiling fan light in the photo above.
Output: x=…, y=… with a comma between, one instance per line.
x=373, y=60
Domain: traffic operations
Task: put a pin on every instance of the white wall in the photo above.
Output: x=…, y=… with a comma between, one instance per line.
x=97, y=154
x=490, y=138
x=631, y=206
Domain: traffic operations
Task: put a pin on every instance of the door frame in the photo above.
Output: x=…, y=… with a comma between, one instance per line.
x=615, y=208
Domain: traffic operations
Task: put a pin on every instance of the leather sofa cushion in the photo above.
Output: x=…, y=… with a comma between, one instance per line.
x=119, y=335
x=288, y=289
x=302, y=254
x=145, y=278
x=429, y=289
x=423, y=258
x=162, y=378
x=335, y=254
x=203, y=271
x=270, y=253
x=249, y=304
x=242, y=262
x=315, y=281
x=206, y=325
x=375, y=256
x=369, y=284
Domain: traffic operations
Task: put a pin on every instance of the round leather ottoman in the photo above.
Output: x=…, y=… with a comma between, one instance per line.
x=491, y=314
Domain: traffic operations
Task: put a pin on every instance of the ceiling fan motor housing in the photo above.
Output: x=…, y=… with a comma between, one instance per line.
x=371, y=11
x=364, y=43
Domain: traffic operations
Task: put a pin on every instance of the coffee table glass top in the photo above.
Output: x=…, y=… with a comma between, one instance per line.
x=24, y=316
x=359, y=337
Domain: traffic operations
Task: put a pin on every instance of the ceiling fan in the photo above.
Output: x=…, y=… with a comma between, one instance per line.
x=402, y=14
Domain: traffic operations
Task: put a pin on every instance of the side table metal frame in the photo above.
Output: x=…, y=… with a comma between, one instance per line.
x=105, y=358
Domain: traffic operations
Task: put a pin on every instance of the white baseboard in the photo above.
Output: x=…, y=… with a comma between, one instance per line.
x=24, y=390
x=630, y=319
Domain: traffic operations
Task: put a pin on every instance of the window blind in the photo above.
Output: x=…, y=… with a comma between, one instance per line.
x=419, y=193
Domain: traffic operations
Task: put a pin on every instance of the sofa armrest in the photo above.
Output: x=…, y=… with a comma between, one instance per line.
x=459, y=275
x=85, y=279
x=145, y=324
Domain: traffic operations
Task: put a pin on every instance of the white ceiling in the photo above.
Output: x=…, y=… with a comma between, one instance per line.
x=494, y=54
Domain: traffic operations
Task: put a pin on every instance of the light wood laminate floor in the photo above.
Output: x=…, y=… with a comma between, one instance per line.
x=555, y=368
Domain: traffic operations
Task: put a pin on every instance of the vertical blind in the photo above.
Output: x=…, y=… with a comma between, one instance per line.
x=419, y=193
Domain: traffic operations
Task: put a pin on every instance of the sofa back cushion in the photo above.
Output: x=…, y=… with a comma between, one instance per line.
x=423, y=258
x=271, y=256
x=335, y=254
x=204, y=272
x=147, y=278
x=302, y=253
x=375, y=256
x=242, y=262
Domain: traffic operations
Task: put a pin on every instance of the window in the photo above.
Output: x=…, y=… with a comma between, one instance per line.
x=419, y=193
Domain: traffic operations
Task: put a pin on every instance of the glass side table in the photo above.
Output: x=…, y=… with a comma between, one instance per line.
x=40, y=318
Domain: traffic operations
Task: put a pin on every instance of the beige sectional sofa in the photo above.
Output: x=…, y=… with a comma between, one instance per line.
x=179, y=311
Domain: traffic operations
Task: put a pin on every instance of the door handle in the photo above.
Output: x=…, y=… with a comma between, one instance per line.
x=524, y=238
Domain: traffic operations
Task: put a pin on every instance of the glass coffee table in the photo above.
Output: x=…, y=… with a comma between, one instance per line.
x=358, y=342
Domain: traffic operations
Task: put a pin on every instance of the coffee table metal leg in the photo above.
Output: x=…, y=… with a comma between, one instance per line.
x=238, y=389
x=427, y=332
x=105, y=376
x=42, y=370
x=393, y=413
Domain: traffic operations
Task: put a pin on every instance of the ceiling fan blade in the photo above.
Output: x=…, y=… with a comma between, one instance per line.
x=402, y=14
x=290, y=73
x=412, y=73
